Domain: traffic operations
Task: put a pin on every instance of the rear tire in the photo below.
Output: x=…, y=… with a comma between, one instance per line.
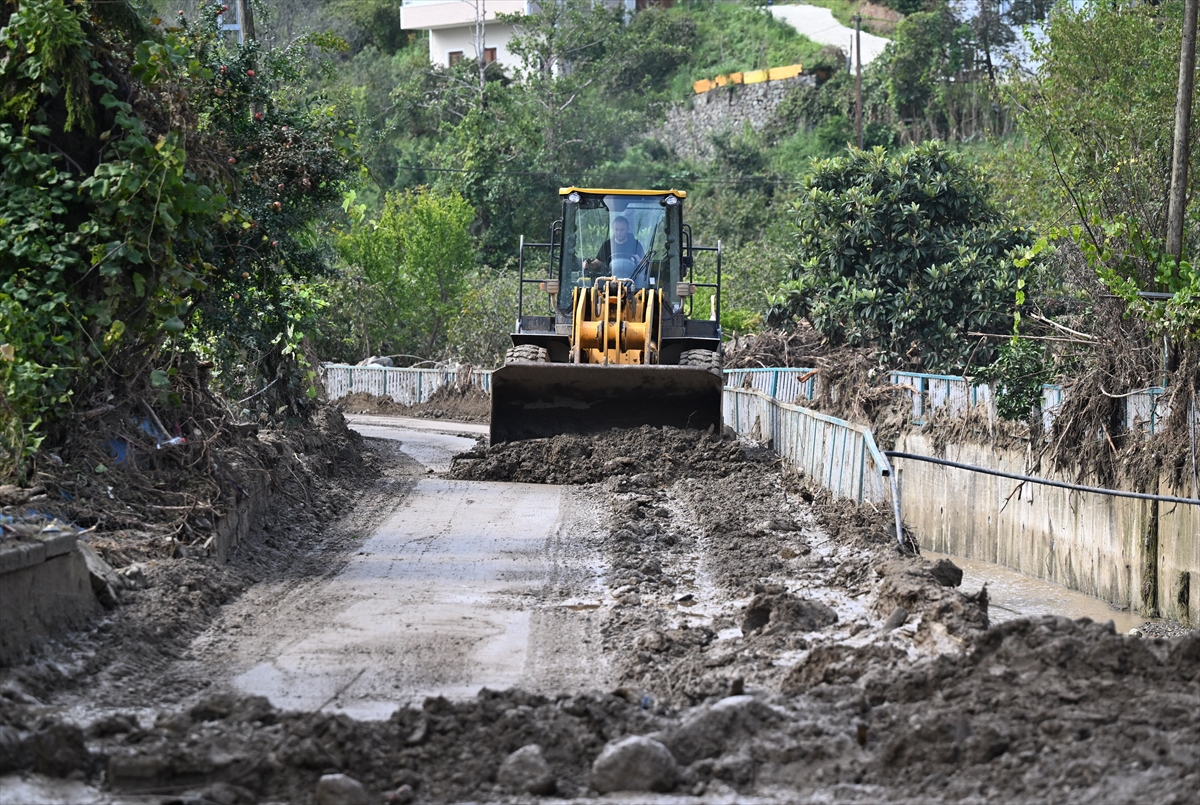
x=527, y=353
x=702, y=359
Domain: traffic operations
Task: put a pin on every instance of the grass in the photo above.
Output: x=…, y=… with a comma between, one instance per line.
x=739, y=38
x=844, y=11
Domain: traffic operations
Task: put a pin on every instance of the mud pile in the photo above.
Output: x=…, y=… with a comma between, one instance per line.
x=172, y=586
x=460, y=404
x=647, y=454
x=1037, y=706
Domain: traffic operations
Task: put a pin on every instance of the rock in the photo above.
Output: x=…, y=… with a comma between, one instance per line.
x=105, y=581
x=527, y=770
x=708, y=730
x=15, y=750
x=418, y=733
x=1135, y=632
x=113, y=724
x=59, y=750
x=896, y=619
x=214, y=708
x=401, y=796
x=781, y=612
x=634, y=763
x=222, y=793
x=946, y=573
x=338, y=789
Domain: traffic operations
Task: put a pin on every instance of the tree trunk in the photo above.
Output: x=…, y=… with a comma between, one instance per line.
x=1177, y=203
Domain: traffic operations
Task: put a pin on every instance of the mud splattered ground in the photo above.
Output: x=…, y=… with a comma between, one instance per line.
x=780, y=647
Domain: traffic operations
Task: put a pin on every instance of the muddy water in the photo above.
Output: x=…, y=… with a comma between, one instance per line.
x=1015, y=595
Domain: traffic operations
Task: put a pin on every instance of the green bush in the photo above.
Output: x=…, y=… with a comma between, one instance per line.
x=907, y=253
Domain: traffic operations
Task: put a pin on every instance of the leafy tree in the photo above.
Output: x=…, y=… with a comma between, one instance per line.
x=906, y=252
x=1100, y=110
x=414, y=258
x=149, y=176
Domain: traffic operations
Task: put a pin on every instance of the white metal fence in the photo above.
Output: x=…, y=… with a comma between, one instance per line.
x=840, y=456
x=930, y=392
x=405, y=386
x=787, y=385
x=1145, y=410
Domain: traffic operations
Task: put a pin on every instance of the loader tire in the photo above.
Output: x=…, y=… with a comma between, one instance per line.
x=702, y=359
x=527, y=353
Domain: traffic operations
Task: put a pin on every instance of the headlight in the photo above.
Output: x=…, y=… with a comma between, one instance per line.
x=573, y=198
x=671, y=201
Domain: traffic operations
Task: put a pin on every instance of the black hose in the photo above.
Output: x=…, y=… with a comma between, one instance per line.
x=1120, y=493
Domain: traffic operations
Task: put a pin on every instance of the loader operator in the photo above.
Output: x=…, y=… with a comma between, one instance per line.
x=620, y=245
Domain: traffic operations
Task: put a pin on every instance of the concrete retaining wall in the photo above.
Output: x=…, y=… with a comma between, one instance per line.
x=1131, y=553
x=41, y=596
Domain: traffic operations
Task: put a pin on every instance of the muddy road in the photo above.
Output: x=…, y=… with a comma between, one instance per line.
x=465, y=585
x=647, y=615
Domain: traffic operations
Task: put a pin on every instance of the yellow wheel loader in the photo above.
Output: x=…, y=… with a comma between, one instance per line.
x=617, y=344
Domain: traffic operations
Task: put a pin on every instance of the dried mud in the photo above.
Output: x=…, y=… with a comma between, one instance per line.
x=466, y=404
x=779, y=645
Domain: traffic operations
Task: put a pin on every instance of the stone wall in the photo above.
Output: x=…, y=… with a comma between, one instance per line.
x=689, y=126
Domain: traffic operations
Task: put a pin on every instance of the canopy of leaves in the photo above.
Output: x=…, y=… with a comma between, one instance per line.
x=907, y=252
x=150, y=180
x=413, y=261
x=1100, y=110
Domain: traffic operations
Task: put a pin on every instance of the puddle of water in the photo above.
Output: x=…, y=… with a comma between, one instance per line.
x=1014, y=595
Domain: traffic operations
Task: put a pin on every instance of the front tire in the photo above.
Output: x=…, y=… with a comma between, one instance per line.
x=527, y=353
x=703, y=359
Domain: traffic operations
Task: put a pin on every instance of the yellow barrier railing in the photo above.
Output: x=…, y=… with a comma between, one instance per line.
x=750, y=77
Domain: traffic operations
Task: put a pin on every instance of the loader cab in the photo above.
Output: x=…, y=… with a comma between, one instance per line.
x=652, y=254
x=657, y=254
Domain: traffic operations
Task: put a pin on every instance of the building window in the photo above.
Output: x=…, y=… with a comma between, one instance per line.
x=489, y=55
x=455, y=57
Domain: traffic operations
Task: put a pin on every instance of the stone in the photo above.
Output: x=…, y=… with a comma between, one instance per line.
x=104, y=579
x=634, y=763
x=338, y=789
x=59, y=750
x=526, y=770
x=708, y=730
x=401, y=796
x=15, y=750
x=946, y=573
x=222, y=793
x=896, y=619
x=776, y=612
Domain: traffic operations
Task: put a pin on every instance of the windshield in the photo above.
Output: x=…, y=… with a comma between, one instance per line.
x=630, y=237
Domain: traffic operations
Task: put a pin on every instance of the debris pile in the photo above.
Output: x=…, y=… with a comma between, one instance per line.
x=646, y=455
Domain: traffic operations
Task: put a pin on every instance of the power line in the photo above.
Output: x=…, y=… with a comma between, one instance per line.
x=565, y=176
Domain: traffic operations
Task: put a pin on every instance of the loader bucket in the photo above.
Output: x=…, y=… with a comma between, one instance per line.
x=538, y=400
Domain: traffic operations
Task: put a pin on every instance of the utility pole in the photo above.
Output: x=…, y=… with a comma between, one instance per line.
x=858, y=76
x=1177, y=200
x=246, y=17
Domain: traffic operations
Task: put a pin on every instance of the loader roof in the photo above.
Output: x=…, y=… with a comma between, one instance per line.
x=562, y=191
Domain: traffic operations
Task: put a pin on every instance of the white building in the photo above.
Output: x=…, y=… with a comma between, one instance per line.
x=454, y=26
